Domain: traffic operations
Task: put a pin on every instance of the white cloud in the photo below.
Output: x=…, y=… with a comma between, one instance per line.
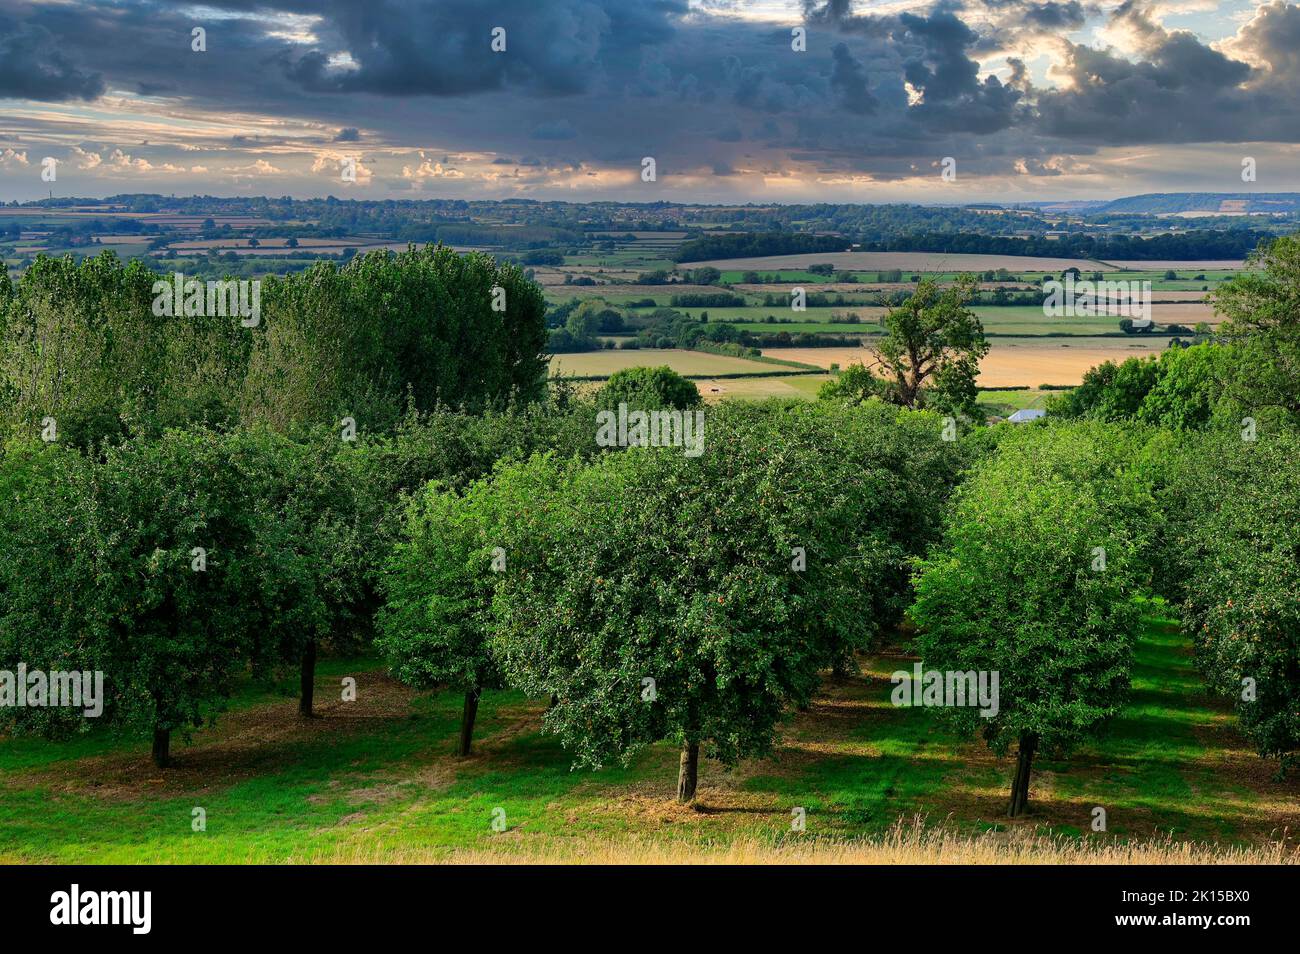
x=259, y=167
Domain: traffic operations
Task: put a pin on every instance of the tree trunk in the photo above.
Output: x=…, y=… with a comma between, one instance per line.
x=467, y=722
x=688, y=771
x=308, y=679
x=1020, y=784
x=161, y=747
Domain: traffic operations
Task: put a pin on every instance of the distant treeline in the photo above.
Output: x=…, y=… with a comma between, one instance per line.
x=1198, y=244
x=753, y=244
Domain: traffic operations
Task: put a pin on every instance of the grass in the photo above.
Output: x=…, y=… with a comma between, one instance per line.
x=375, y=780
x=606, y=362
x=904, y=844
x=1005, y=403
x=1019, y=320
x=803, y=386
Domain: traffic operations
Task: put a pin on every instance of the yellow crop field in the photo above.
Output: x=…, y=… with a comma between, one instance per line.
x=1012, y=362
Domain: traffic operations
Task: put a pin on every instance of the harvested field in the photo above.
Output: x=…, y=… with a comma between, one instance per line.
x=1012, y=362
x=1176, y=264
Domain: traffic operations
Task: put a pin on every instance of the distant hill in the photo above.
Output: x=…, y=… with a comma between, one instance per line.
x=1223, y=203
x=1078, y=206
x=1176, y=203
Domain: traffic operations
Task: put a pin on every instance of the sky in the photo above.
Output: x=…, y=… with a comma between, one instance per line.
x=735, y=101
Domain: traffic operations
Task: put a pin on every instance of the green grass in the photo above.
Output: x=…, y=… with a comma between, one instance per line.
x=694, y=363
x=1005, y=403
x=733, y=277
x=1019, y=320
x=389, y=782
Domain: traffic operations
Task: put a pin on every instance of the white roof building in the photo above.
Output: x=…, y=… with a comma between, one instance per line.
x=1028, y=414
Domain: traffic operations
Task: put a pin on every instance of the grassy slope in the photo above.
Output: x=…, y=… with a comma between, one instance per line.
x=376, y=778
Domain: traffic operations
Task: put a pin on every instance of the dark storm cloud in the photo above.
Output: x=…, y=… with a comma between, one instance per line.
x=611, y=81
x=1048, y=16
x=554, y=131
x=32, y=66
x=850, y=80
x=1054, y=16
x=409, y=47
x=953, y=95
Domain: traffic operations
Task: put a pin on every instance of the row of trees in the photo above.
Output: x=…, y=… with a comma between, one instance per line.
x=653, y=596
x=80, y=343
x=1036, y=579
x=181, y=562
x=1232, y=556
x=650, y=594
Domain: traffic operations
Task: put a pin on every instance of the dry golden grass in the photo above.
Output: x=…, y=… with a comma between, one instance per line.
x=906, y=843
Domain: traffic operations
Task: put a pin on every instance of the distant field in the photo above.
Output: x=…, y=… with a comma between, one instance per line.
x=1012, y=362
x=1178, y=266
x=272, y=243
x=753, y=316
x=997, y=319
x=275, y=248
x=790, y=386
x=1030, y=361
x=1031, y=321
x=622, y=293
x=908, y=261
x=683, y=362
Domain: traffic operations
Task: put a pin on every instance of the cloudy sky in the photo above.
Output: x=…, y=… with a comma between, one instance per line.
x=1034, y=99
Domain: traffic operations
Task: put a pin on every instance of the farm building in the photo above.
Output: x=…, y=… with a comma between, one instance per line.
x=1028, y=414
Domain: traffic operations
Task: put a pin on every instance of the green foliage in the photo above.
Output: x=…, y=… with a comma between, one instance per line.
x=1235, y=537
x=1262, y=308
x=1184, y=389
x=175, y=563
x=1188, y=392
x=385, y=329
x=1013, y=588
x=650, y=569
x=853, y=385
x=1109, y=392
x=112, y=585
x=649, y=389
x=81, y=345
x=438, y=589
x=79, y=342
x=651, y=565
x=48, y=567
x=932, y=347
x=755, y=244
x=437, y=579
